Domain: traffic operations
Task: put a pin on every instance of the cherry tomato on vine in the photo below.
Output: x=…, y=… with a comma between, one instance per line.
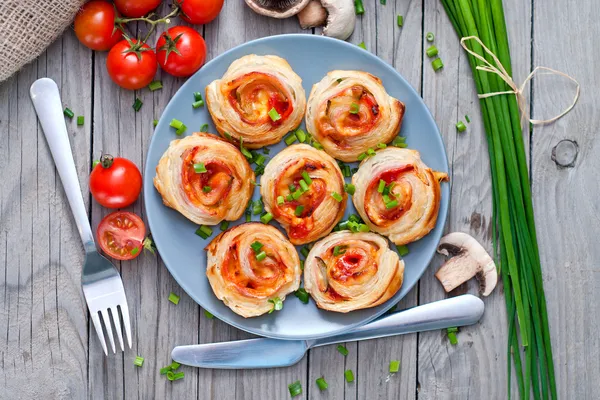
x=200, y=12
x=136, y=8
x=131, y=65
x=121, y=235
x=95, y=25
x=115, y=182
x=180, y=51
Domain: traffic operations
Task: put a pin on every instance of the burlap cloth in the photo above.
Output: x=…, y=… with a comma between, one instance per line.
x=27, y=27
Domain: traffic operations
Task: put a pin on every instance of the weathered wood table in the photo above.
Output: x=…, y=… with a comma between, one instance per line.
x=49, y=350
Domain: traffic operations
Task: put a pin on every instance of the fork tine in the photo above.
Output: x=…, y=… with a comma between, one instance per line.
x=98, y=326
x=109, y=330
x=126, y=322
x=117, y=321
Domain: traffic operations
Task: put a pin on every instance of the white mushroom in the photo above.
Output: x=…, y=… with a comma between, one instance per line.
x=341, y=17
x=468, y=259
x=277, y=8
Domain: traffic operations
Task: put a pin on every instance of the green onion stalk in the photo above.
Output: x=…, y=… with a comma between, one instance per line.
x=514, y=238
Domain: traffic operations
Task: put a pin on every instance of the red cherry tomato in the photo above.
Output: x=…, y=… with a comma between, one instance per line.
x=94, y=25
x=121, y=235
x=180, y=51
x=200, y=12
x=115, y=183
x=136, y=8
x=131, y=65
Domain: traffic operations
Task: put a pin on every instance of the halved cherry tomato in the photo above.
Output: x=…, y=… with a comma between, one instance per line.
x=115, y=183
x=131, y=65
x=136, y=8
x=200, y=12
x=121, y=235
x=180, y=51
x=95, y=25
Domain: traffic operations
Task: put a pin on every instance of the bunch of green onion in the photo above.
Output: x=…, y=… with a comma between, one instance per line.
x=514, y=239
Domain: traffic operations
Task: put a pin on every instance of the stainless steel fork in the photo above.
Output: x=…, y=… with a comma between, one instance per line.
x=102, y=284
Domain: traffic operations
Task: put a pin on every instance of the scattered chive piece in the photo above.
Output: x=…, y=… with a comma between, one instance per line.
x=224, y=225
x=260, y=159
x=468, y=119
x=174, y=366
x=261, y=256
x=175, y=376
x=68, y=112
x=256, y=246
x=173, y=298
x=208, y=315
x=338, y=197
x=381, y=145
x=80, y=120
x=277, y=304
x=299, y=210
x=292, y=187
x=266, y=150
x=349, y=375
x=289, y=197
x=266, y=218
x=301, y=135
x=432, y=51
x=199, y=168
x=362, y=156
x=295, y=388
x=306, y=177
x=321, y=381
x=402, y=250
x=302, y=294
x=358, y=7
x=370, y=152
x=248, y=216
x=244, y=151
x=452, y=329
x=383, y=2
x=399, y=141
x=139, y=361
x=280, y=200
x=337, y=250
x=460, y=126
x=350, y=188
x=362, y=45
x=197, y=104
x=304, y=251
x=155, y=122
x=197, y=96
x=437, y=64
x=134, y=251
x=227, y=136
x=204, y=128
x=290, y=139
x=164, y=370
x=317, y=145
x=204, y=231
x=342, y=349
x=381, y=186
x=400, y=20
x=386, y=198
x=339, y=80
x=391, y=204
x=452, y=338
x=296, y=195
x=430, y=37
x=257, y=207
x=180, y=131
x=274, y=114
x=206, y=189
x=363, y=228
x=137, y=104
x=96, y=162
x=302, y=268
x=394, y=366
x=175, y=123
x=303, y=185
x=354, y=108
x=155, y=85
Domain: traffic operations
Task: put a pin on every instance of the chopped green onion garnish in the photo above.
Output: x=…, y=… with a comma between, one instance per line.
x=208, y=315
x=303, y=185
x=302, y=294
x=68, y=112
x=206, y=189
x=349, y=375
x=350, y=188
x=358, y=7
x=224, y=225
x=452, y=338
x=197, y=104
x=280, y=200
x=173, y=298
x=304, y=251
x=204, y=128
x=432, y=51
x=137, y=104
x=180, y=131
x=155, y=85
x=339, y=80
x=342, y=349
x=175, y=376
x=429, y=37
x=80, y=120
x=266, y=150
x=394, y=366
x=398, y=141
x=244, y=151
x=164, y=370
x=302, y=265
x=260, y=159
x=197, y=96
x=400, y=20
x=386, y=198
x=452, y=329
x=199, y=168
x=155, y=122
x=248, y=216
x=338, y=197
x=295, y=388
x=290, y=139
x=383, y=2
x=354, y=108
x=292, y=187
x=228, y=136
x=261, y=256
x=277, y=304
x=363, y=228
x=321, y=381
x=460, y=126
x=299, y=210
x=362, y=45
x=468, y=119
x=139, y=361
x=301, y=135
x=296, y=195
x=381, y=186
x=257, y=207
x=402, y=250
x=362, y=156
x=256, y=246
x=437, y=64
x=204, y=231
x=338, y=250
x=306, y=177
x=175, y=123
x=370, y=152
x=391, y=204
x=274, y=114
x=266, y=218
x=289, y=197
x=381, y=145
x=96, y=162
x=317, y=145
x=174, y=366
x=134, y=251
x=354, y=218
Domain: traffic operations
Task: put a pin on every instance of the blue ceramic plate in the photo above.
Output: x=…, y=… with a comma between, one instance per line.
x=311, y=57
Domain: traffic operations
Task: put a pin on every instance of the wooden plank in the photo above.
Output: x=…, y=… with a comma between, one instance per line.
x=44, y=314
x=475, y=367
x=565, y=199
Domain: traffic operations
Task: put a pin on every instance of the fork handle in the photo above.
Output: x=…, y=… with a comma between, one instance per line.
x=46, y=100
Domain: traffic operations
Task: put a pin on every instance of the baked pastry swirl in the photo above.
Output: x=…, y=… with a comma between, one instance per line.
x=349, y=112
x=250, y=264
x=259, y=100
x=349, y=271
x=303, y=188
x=397, y=195
x=205, y=178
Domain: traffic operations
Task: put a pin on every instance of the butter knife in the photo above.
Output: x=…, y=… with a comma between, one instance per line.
x=270, y=353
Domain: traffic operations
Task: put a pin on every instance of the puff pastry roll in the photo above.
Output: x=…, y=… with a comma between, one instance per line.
x=349, y=112
x=259, y=100
x=397, y=195
x=349, y=271
x=205, y=178
x=250, y=264
x=303, y=188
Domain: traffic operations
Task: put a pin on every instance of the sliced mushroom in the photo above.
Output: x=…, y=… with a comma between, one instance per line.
x=338, y=16
x=314, y=14
x=277, y=8
x=468, y=259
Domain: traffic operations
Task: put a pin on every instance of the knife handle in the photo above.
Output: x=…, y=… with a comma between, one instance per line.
x=455, y=311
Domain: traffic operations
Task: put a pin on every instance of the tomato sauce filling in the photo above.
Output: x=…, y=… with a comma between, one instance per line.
x=401, y=192
x=353, y=267
x=254, y=94
x=218, y=177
